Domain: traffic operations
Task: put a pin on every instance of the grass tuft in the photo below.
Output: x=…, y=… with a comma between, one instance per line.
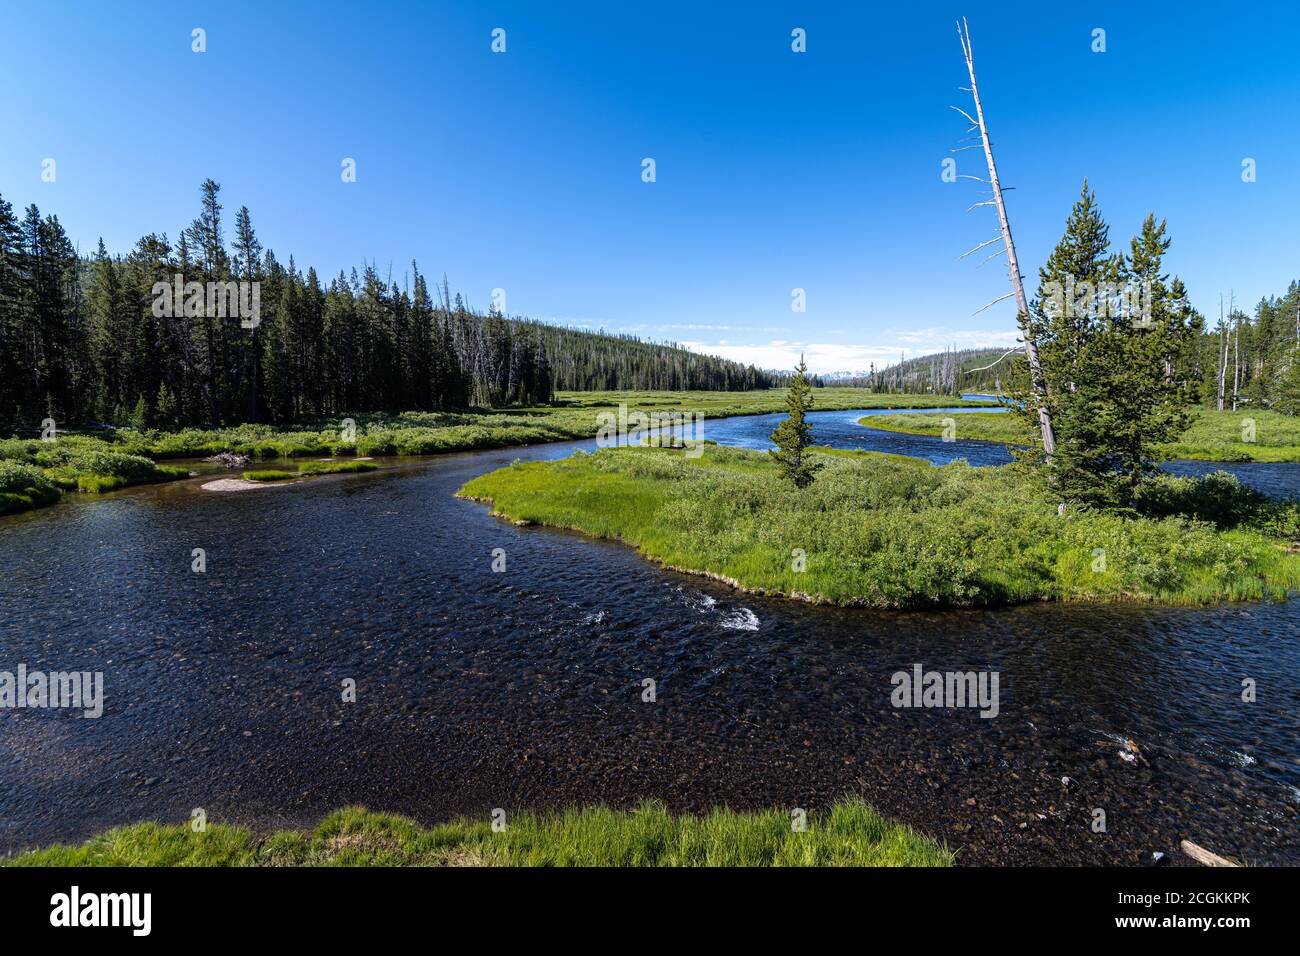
x=849, y=834
x=335, y=467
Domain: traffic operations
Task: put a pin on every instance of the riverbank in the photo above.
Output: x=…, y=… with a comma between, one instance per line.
x=849, y=834
x=890, y=531
x=35, y=478
x=34, y=472
x=523, y=688
x=1241, y=436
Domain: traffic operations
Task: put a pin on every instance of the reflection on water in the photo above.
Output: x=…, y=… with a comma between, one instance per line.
x=478, y=690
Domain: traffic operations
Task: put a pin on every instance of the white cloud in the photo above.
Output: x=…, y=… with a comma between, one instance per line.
x=828, y=357
x=720, y=328
x=934, y=339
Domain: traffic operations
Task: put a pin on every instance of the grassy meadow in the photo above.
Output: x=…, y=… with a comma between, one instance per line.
x=35, y=472
x=849, y=834
x=892, y=531
x=1243, y=435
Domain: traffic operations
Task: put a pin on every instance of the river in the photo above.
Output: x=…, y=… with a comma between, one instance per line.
x=478, y=689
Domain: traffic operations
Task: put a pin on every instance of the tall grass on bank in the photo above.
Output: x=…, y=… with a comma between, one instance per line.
x=24, y=486
x=1243, y=435
x=849, y=834
x=70, y=460
x=32, y=473
x=897, y=532
x=571, y=415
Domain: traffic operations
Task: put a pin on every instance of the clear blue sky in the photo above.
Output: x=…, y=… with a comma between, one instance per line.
x=775, y=170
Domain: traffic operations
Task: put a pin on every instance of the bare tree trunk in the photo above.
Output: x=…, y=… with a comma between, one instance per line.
x=1236, y=348
x=1037, y=382
x=1223, y=354
x=1236, y=363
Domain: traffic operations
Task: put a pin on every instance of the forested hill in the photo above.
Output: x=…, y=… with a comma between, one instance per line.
x=942, y=373
x=96, y=341
x=589, y=361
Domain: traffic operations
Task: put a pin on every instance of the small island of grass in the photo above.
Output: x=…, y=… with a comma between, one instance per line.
x=310, y=470
x=891, y=531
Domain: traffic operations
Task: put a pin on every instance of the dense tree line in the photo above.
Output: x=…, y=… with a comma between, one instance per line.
x=88, y=340
x=1253, y=360
x=584, y=361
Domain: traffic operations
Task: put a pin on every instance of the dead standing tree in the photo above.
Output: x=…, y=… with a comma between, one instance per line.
x=1037, y=382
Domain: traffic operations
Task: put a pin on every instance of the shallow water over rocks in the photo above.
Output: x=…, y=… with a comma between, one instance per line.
x=524, y=689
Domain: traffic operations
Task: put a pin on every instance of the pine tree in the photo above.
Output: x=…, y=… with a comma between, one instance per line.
x=109, y=335
x=794, y=435
x=1288, y=388
x=165, y=408
x=1115, y=337
x=79, y=338
x=12, y=286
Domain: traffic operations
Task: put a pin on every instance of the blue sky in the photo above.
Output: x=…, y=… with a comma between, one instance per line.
x=775, y=170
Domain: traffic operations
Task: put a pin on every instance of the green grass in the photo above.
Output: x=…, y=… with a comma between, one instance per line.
x=1218, y=436
x=892, y=531
x=1212, y=436
x=310, y=469
x=572, y=415
x=335, y=467
x=849, y=834
x=968, y=426
x=24, y=486
x=32, y=473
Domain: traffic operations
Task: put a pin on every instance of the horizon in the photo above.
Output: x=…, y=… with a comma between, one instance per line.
x=522, y=170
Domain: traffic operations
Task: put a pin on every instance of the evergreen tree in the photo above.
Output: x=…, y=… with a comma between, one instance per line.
x=794, y=435
x=1288, y=388
x=110, y=335
x=362, y=344
x=1114, y=336
x=12, y=294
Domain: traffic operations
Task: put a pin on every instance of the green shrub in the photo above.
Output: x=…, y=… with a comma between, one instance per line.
x=1218, y=498
x=24, y=486
x=378, y=443
x=85, y=465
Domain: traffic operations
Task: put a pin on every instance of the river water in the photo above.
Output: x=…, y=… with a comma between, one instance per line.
x=478, y=690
